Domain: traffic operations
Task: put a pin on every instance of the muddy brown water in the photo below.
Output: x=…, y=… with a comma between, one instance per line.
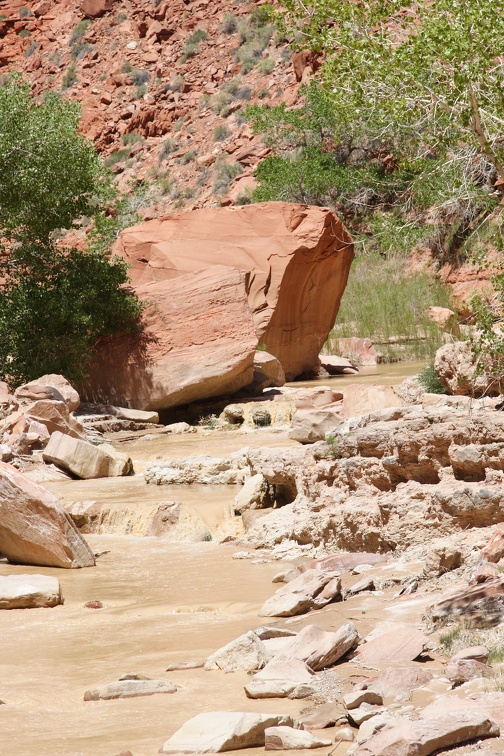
x=163, y=603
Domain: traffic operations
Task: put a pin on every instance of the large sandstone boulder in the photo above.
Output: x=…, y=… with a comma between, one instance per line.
x=198, y=341
x=456, y=369
x=34, y=528
x=50, y=386
x=298, y=258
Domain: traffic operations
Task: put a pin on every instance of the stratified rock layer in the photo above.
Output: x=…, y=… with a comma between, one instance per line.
x=198, y=341
x=298, y=258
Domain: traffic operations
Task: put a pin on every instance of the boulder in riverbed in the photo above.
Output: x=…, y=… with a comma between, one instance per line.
x=216, y=731
x=298, y=258
x=34, y=527
x=85, y=460
x=29, y=591
x=198, y=340
x=129, y=689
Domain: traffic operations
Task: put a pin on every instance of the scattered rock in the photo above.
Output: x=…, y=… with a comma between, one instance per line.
x=483, y=603
x=320, y=649
x=364, y=712
x=29, y=591
x=84, y=460
x=217, y=731
x=335, y=365
x=477, y=653
x=281, y=679
x=311, y=590
x=129, y=689
x=494, y=550
x=287, y=738
x=268, y=371
x=51, y=386
x=463, y=670
x=255, y=494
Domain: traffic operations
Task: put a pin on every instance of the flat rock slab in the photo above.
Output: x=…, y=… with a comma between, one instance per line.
x=278, y=689
x=129, y=689
x=313, y=589
x=34, y=527
x=425, y=736
x=320, y=649
x=404, y=643
x=29, y=591
x=216, y=731
x=489, y=704
x=287, y=738
x=398, y=681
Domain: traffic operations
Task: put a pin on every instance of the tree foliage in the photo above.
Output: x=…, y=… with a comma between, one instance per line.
x=55, y=302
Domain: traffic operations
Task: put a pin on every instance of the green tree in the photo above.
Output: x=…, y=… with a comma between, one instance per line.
x=55, y=302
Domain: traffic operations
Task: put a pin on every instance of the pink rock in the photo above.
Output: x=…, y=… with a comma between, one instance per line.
x=34, y=527
x=96, y=8
x=359, y=351
x=494, y=550
x=404, y=643
x=298, y=256
x=425, y=736
x=50, y=387
x=198, y=341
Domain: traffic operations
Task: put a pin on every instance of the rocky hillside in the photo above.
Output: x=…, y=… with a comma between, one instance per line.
x=162, y=86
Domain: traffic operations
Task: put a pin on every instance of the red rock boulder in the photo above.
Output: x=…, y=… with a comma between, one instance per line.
x=198, y=341
x=298, y=258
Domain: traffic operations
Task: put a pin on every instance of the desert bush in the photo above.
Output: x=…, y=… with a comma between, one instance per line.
x=266, y=66
x=79, y=31
x=230, y=24
x=224, y=173
x=166, y=148
x=220, y=132
x=24, y=12
x=139, y=76
x=192, y=44
x=69, y=78
x=118, y=156
x=132, y=137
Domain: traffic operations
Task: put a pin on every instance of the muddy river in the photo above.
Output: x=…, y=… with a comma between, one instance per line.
x=163, y=603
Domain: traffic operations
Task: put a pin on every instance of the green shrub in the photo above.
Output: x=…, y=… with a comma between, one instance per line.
x=79, y=31
x=120, y=17
x=188, y=157
x=24, y=12
x=266, y=66
x=24, y=33
x=80, y=49
x=428, y=378
x=56, y=303
x=140, y=92
x=192, y=44
x=126, y=67
x=32, y=48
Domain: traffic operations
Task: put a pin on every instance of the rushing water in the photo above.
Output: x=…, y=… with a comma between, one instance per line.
x=163, y=603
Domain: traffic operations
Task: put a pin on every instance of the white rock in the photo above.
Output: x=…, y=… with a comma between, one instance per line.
x=129, y=689
x=217, y=731
x=247, y=652
x=308, y=591
x=29, y=591
x=287, y=738
x=318, y=648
